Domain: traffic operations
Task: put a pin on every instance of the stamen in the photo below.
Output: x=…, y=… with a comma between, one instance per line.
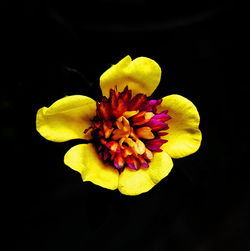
x=139, y=147
x=132, y=162
x=123, y=128
x=137, y=101
x=107, y=128
x=142, y=118
x=113, y=146
x=127, y=131
x=145, y=133
x=126, y=151
x=155, y=144
x=119, y=161
x=129, y=114
x=148, y=154
x=142, y=161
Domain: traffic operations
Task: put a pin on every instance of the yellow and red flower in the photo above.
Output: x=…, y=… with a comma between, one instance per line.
x=132, y=138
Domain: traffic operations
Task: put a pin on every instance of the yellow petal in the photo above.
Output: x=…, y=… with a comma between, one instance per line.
x=132, y=182
x=142, y=75
x=184, y=136
x=84, y=159
x=66, y=119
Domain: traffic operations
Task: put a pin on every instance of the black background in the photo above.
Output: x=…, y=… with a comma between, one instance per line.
x=57, y=49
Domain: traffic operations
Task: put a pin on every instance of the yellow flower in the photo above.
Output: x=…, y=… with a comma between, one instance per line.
x=132, y=138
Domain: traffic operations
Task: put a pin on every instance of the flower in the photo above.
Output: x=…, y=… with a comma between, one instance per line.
x=131, y=137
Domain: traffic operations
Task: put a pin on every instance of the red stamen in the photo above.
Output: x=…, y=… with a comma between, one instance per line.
x=127, y=131
x=137, y=101
x=119, y=161
x=113, y=146
x=132, y=162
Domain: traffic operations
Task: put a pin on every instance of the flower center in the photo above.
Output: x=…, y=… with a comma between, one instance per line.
x=127, y=130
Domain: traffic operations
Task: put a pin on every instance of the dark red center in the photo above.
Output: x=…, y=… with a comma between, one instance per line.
x=127, y=130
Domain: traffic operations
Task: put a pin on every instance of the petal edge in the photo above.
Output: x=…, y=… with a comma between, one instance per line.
x=142, y=75
x=66, y=119
x=84, y=159
x=136, y=182
x=184, y=137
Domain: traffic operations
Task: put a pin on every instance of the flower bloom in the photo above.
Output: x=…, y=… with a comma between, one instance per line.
x=132, y=137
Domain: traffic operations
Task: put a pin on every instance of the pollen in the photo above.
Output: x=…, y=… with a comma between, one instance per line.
x=127, y=130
